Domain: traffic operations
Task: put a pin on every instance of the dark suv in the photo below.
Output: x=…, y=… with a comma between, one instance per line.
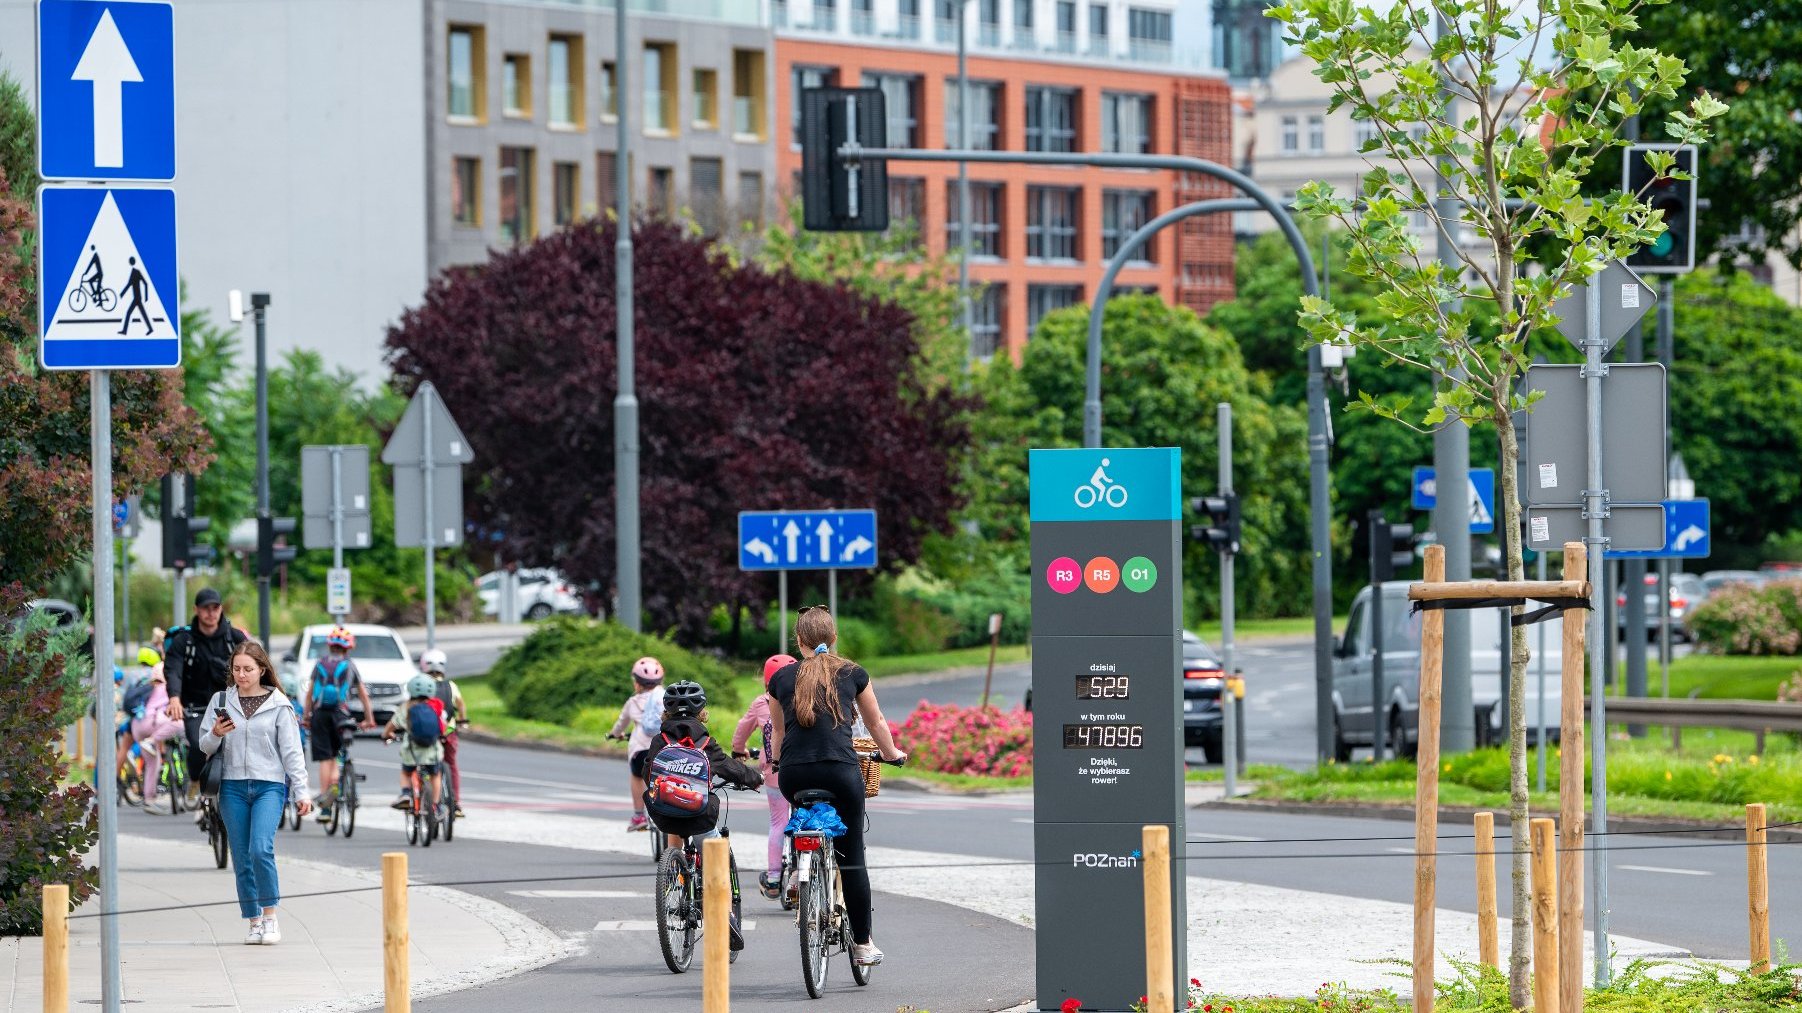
x=1203, y=678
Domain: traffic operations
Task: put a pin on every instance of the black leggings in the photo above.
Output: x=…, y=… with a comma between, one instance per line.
x=845, y=782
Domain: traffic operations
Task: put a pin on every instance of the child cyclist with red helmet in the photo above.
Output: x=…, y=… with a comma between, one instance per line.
x=757, y=718
x=643, y=713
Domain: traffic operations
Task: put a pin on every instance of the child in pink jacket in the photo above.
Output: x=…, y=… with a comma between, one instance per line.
x=151, y=727
x=757, y=717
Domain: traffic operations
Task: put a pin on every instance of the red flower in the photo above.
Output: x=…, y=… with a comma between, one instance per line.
x=1195, y=981
x=1070, y=1005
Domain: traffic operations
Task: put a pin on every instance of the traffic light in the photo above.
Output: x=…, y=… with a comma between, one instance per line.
x=1674, y=252
x=180, y=526
x=270, y=555
x=1391, y=547
x=1219, y=525
x=839, y=193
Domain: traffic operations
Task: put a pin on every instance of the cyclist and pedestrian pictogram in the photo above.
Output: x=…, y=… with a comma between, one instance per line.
x=108, y=261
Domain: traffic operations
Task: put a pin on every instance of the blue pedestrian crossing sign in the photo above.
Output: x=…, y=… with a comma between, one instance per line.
x=107, y=278
x=106, y=90
x=807, y=540
x=1482, y=496
x=1688, y=533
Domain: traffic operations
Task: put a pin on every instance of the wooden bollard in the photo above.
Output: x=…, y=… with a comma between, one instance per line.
x=81, y=751
x=1546, y=974
x=716, y=910
x=1489, y=950
x=396, y=939
x=56, y=948
x=1758, y=887
x=1160, y=967
x=1426, y=788
x=1570, y=793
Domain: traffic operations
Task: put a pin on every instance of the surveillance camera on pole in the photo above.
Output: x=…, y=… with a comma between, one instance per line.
x=840, y=191
x=1674, y=252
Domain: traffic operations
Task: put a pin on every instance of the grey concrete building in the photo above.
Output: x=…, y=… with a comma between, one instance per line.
x=319, y=142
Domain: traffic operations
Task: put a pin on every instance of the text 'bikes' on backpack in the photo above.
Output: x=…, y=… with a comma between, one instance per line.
x=679, y=775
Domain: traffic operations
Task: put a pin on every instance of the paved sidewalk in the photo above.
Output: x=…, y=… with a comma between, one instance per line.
x=330, y=957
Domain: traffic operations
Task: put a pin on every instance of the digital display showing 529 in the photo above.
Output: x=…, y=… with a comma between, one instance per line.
x=1103, y=687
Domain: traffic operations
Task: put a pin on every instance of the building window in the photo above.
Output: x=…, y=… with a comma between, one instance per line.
x=907, y=205
x=945, y=22
x=564, y=66
x=1316, y=134
x=1122, y=213
x=805, y=78
x=566, y=191
x=750, y=197
x=519, y=220
x=609, y=91
x=825, y=15
x=707, y=99
x=1066, y=26
x=659, y=87
x=987, y=308
x=1042, y=300
x=1126, y=123
x=901, y=94
x=1051, y=216
x=466, y=191
x=985, y=218
x=1291, y=134
x=467, y=79
x=707, y=194
x=1148, y=34
x=516, y=85
x=1022, y=21
x=1098, y=29
x=863, y=17
x=606, y=184
x=1050, y=119
x=907, y=19
x=1364, y=132
x=749, y=116
x=662, y=195
x=985, y=114
x=988, y=23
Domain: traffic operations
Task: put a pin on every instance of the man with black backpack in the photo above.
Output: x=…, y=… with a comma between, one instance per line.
x=327, y=718
x=197, y=663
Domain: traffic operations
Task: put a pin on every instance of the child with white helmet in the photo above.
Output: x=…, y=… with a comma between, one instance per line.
x=435, y=663
x=643, y=713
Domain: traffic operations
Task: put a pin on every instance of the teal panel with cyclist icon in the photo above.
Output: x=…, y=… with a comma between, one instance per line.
x=1106, y=484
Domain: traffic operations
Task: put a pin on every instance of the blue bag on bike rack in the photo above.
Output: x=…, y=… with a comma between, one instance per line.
x=819, y=818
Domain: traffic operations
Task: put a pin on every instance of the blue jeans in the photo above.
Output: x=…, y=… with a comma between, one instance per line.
x=252, y=811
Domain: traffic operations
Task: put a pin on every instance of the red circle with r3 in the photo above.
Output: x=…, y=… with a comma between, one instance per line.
x=1101, y=575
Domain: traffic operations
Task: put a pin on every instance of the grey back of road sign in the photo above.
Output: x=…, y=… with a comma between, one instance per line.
x=1635, y=440
x=353, y=495
x=447, y=507
x=407, y=451
x=1625, y=298
x=407, y=445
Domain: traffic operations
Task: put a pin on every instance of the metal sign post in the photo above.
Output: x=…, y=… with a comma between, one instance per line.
x=106, y=772
x=428, y=451
x=784, y=540
x=1107, y=708
x=1595, y=505
x=334, y=492
x=1229, y=734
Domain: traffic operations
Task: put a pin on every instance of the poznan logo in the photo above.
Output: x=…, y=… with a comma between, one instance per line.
x=1100, y=860
x=1101, y=489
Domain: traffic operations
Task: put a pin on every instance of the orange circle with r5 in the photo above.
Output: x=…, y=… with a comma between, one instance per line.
x=1101, y=575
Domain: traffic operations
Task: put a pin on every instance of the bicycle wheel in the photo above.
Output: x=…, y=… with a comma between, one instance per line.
x=215, y=835
x=814, y=918
x=675, y=910
x=78, y=299
x=347, y=798
x=737, y=911
x=450, y=814
x=173, y=779
x=860, y=973
x=131, y=784
x=413, y=827
x=431, y=825
x=108, y=299
x=337, y=814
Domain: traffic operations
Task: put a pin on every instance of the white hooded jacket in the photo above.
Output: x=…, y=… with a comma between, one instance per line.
x=263, y=747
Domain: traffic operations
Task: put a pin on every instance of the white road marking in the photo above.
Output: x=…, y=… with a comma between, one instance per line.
x=588, y=790
x=1226, y=837
x=1660, y=868
x=631, y=925
x=577, y=894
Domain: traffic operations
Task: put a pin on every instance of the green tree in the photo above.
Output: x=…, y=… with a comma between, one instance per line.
x=1508, y=68
x=18, y=137
x=1165, y=372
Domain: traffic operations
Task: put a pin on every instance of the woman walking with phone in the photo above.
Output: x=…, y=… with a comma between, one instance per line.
x=254, y=724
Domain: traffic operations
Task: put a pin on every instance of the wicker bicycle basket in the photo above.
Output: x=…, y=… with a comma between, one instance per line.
x=872, y=771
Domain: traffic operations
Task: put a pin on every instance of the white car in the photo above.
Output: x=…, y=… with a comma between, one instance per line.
x=381, y=658
x=541, y=594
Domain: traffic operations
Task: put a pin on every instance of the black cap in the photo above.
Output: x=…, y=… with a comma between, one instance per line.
x=207, y=596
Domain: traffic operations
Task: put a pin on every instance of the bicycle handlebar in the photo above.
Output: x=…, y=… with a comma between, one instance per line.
x=901, y=762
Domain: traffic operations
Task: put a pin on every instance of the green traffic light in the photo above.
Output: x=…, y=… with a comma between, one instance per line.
x=1662, y=246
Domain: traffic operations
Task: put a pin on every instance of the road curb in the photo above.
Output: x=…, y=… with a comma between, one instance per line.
x=485, y=739
x=1465, y=815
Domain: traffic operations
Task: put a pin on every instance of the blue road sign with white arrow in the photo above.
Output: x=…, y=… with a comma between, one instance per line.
x=807, y=539
x=1482, y=496
x=1688, y=533
x=106, y=90
x=107, y=278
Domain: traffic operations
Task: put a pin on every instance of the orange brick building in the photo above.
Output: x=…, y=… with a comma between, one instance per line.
x=1042, y=235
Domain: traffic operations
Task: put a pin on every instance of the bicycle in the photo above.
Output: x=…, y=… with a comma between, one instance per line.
x=825, y=925
x=679, y=901
x=172, y=778
x=131, y=778
x=214, y=825
x=343, y=799
x=422, y=819
x=100, y=295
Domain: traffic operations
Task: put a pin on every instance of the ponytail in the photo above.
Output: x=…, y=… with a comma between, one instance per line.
x=816, y=684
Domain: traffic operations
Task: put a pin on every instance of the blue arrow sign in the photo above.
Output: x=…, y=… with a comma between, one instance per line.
x=107, y=278
x=106, y=90
x=1688, y=533
x=807, y=540
x=1482, y=496
x=121, y=514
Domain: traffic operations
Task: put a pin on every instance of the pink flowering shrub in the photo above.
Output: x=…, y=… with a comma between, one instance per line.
x=984, y=741
x=1746, y=620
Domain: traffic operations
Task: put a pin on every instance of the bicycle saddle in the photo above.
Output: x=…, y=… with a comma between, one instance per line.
x=814, y=796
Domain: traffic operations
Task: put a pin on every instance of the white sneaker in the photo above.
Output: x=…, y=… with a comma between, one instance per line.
x=272, y=933
x=255, y=936
x=157, y=807
x=865, y=954
x=199, y=816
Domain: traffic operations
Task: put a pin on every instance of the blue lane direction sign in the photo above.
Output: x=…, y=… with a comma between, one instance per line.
x=107, y=278
x=807, y=539
x=106, y=90
x=1688, y=533
x=1482, y=496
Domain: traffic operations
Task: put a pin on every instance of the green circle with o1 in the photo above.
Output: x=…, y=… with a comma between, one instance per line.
x=1139, y=574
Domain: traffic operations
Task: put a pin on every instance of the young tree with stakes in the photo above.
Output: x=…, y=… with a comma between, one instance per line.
x=1517, y=103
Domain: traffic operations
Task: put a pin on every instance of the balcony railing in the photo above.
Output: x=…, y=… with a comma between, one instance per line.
x=744, y=117
x=657, y=109
x=863, y=22
x=1149, y=50
x=1064, y=43
x=907, y=26
x=988, y=36
x=944, y=29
